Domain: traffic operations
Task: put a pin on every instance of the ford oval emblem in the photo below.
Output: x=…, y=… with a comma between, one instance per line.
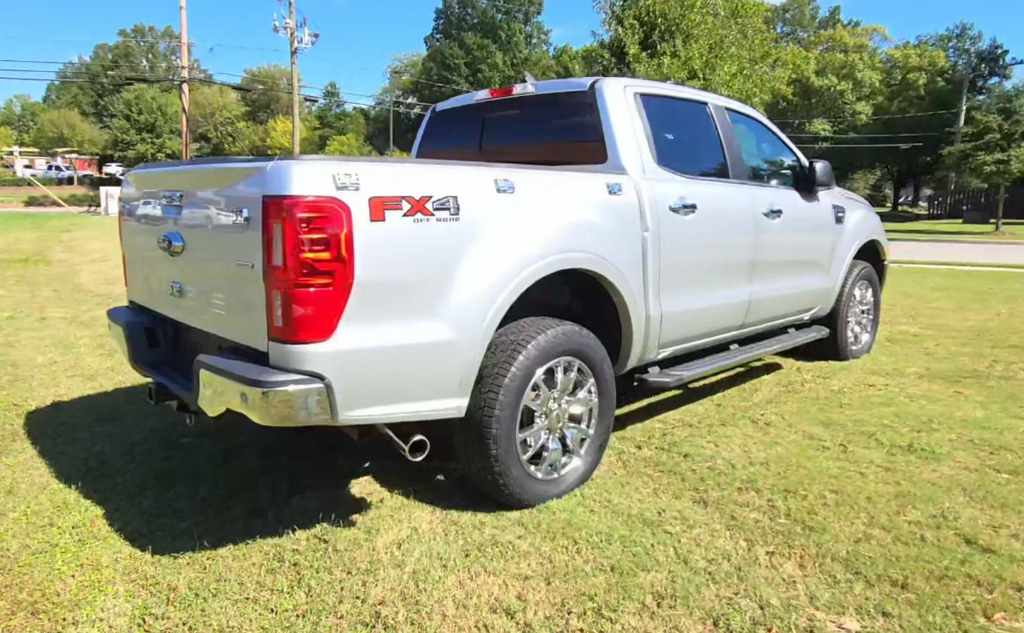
x=171, y=243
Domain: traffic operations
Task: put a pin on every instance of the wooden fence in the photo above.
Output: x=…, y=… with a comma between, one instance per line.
x=978, y=204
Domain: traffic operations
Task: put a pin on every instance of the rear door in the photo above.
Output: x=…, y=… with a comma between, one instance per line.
x=705, y=234
x=795, y=231
x=192, y=244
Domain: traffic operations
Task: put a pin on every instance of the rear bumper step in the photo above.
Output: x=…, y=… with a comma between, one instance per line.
x=703, y=367
x=264, y=395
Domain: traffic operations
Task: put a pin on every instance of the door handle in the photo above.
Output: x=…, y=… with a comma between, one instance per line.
x=683, y=208
x=772, y=213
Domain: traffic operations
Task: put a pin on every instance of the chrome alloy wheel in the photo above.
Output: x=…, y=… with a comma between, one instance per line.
x=557, y=417
x=860, y=315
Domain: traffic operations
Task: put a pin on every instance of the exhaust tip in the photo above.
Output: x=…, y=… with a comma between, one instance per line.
x=417, y=448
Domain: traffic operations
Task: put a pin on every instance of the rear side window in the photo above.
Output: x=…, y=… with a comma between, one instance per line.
x=684, y=137
x=562, y=128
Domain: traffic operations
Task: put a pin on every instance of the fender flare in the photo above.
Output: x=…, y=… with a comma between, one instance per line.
x=606, y=273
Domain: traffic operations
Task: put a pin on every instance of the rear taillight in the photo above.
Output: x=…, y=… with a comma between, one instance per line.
x=308, y=266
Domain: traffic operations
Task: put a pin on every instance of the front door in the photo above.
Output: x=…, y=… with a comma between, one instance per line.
x=795, y=231
x=705, y=230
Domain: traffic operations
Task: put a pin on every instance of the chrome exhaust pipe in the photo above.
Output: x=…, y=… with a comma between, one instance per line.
x=415, y=450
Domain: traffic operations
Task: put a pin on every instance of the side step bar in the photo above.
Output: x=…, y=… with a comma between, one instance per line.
x=738, y=355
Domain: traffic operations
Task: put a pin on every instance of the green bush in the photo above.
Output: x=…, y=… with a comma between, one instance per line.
x=73, y=200
x=13, y=181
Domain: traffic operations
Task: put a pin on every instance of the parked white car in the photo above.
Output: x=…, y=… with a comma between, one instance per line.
x=113, y=169
x=549, y=243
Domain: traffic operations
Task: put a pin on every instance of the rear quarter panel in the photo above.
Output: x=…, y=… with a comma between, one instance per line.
x=430, y=290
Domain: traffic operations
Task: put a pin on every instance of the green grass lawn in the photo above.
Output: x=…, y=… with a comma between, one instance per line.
x=880, y=495
x=952, y=229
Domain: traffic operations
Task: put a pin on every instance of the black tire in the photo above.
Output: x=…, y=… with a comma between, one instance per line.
x=486, y=441
x=838, y=345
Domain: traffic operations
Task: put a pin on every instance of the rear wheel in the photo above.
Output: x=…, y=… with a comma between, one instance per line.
x=855, y=316
x=541, y=412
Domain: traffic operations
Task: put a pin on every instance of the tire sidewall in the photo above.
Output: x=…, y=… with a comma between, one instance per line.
x=567, y=340
x=861, y=272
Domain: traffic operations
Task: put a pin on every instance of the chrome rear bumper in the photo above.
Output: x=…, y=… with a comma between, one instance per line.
x=264, y=395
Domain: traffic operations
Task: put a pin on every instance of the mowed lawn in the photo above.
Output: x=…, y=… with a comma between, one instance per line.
x=880, y=495
x=953, y=229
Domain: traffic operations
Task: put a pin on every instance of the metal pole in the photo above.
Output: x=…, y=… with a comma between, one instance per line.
x=293, y=46
x=961, y=119
x=186, y=137
x=391, y=114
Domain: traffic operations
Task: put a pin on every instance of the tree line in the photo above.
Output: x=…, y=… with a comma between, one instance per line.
x=883, y=111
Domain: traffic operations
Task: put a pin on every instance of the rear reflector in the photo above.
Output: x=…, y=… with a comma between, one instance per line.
x=308, y=266
x=506, y=91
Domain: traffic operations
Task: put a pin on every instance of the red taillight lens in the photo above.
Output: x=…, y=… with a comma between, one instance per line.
x=308, y=266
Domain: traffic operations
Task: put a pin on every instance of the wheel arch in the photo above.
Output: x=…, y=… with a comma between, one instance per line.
x=576, y=273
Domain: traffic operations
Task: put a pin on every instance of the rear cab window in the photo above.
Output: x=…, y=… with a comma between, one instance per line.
x=562, y=128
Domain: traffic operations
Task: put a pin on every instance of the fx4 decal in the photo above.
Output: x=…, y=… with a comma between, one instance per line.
x=420, y=209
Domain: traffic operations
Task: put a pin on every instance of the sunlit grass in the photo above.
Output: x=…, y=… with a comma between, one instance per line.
x=878, y=495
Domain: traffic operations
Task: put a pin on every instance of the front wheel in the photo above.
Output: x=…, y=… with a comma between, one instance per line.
x=541, y=412
x=855, y=316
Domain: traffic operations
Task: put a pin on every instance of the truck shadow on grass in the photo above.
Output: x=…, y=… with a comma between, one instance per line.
x=168, y=488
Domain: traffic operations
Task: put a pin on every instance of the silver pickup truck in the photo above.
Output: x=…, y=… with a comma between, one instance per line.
x=549, y=243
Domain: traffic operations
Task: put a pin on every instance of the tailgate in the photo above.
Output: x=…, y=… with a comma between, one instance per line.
x=192, y=245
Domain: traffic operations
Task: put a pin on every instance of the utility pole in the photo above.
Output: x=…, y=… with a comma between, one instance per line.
x=186, y=136
x=391, y=114
x=294, y=49
x=295, y=43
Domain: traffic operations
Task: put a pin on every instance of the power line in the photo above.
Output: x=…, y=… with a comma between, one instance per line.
x=858, y=145
x=902, y=135
x=870, y=118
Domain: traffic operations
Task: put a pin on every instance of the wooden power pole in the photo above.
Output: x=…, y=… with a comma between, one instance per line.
x=294, y=47
x=186, y=137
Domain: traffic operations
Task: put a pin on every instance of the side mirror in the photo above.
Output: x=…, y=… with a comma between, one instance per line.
x=822, y=175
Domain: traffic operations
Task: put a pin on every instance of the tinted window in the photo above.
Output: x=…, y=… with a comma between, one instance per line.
x=562, y=128
x=685, y=137
x=767, y=158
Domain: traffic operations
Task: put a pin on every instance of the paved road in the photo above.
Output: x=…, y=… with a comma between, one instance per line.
x=957, y=252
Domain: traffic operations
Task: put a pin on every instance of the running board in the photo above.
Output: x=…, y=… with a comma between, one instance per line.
x=734, y=357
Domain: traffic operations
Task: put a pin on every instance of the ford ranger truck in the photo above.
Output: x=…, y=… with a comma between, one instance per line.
x=547, y=242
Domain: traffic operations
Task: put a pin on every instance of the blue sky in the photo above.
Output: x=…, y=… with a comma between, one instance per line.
x=358, y=37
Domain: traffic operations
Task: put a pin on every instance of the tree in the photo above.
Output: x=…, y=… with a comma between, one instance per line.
x=21, y=114
x=725, y=46
x=405, y=74
x=992, y=152
x=482, y=43
x=142, y=54
x=334, y=118
x=278, y=133
x=67, y=128
x=348, y=145
x=6, y=136
x=267, y=92
x=219, y=126
x=912, y=85
x=590, y=60
x=979, y=63
x=797, y=21
x=145, y=125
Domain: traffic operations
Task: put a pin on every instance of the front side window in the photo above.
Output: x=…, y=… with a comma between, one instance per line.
x=684, y=137
x=766, y=157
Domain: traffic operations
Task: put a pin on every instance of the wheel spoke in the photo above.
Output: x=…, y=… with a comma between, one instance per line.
x=537, y=445
x=575, y=435
x=538, y=399
x=534, y=432
x=552, y=455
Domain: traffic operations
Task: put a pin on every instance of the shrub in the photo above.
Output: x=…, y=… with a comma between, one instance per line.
x=73, y=200
x=13, y=181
